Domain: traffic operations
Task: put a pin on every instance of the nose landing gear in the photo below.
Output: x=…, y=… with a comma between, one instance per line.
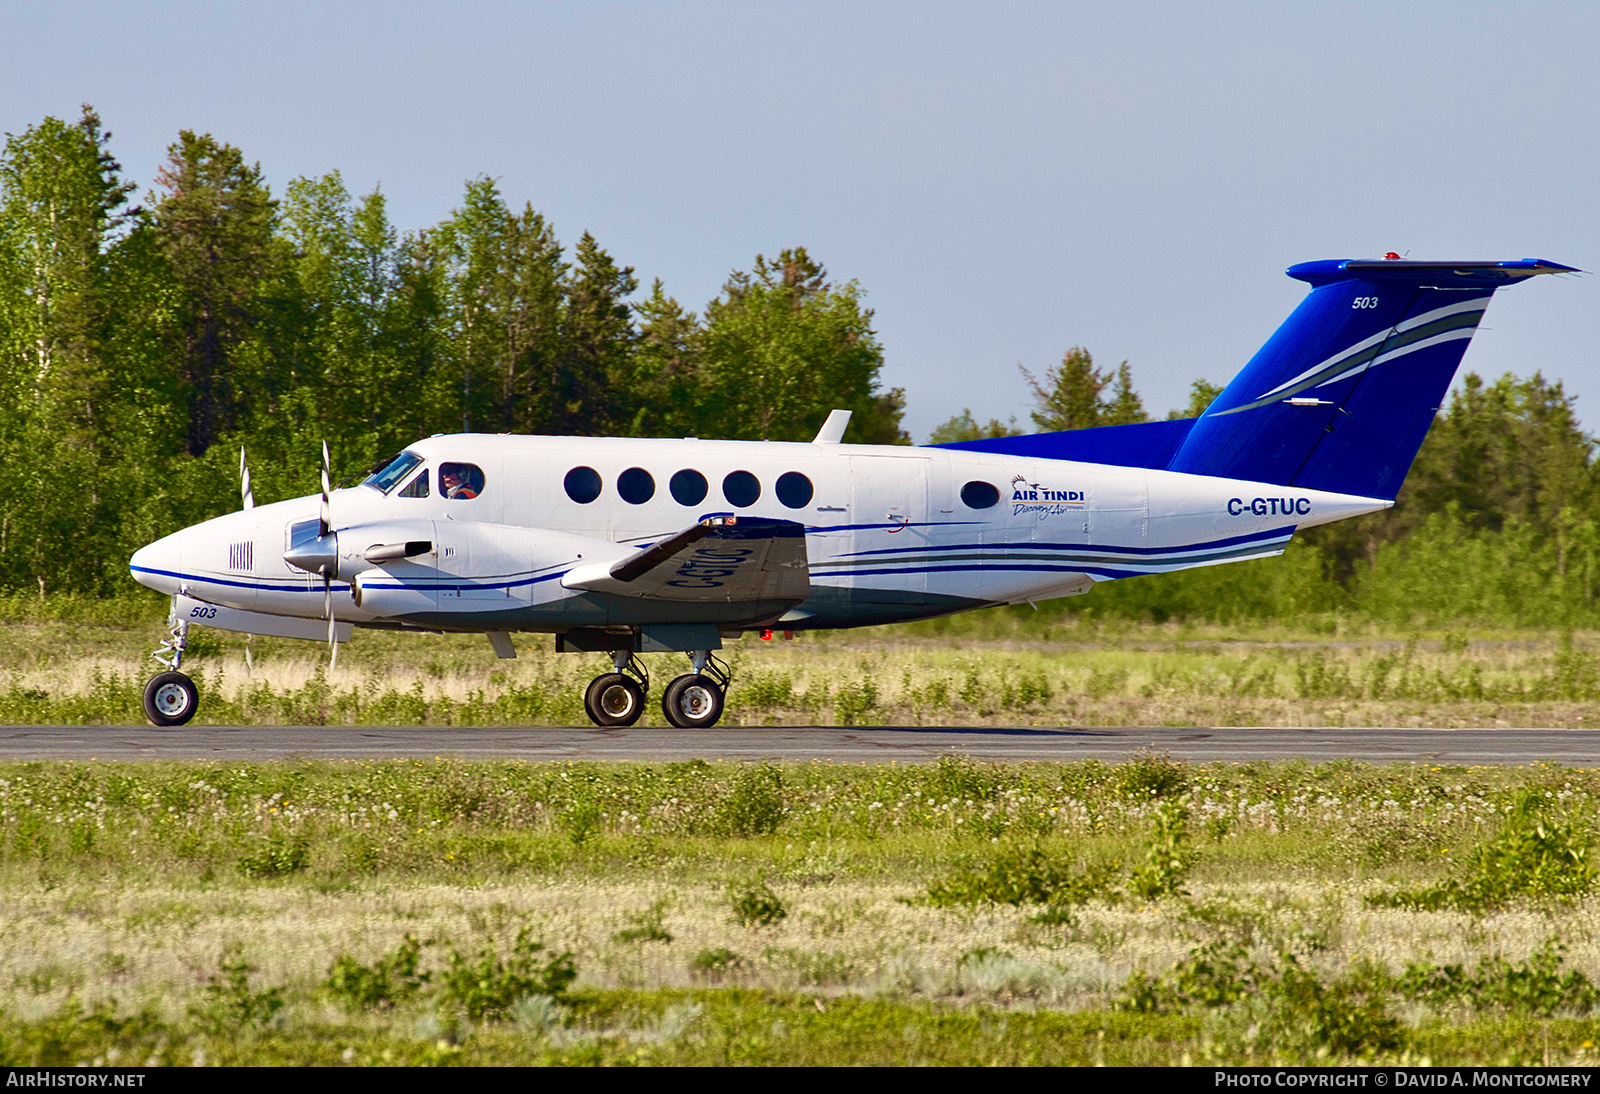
x=170, y=698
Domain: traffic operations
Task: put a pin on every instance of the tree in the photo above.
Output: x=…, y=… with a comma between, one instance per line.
x=587, y=391
x=1202, y=393
x=215, y=221
x=964, y=427
x=783, y=347
x=1073, y=394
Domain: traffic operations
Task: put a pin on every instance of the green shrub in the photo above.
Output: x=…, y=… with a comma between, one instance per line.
x=277, y=856
x=1021, y=875
x=646, y=926
x=391, y=979
x=756, y=905
x=754, y=804
x=486, y=985
x=1169, y=856
x=1535, y=855
x=228, y=1004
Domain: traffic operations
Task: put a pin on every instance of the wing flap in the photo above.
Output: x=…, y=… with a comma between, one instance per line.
x=724, y=559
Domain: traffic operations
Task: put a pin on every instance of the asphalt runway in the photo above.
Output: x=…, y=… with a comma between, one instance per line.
x=1575, y=747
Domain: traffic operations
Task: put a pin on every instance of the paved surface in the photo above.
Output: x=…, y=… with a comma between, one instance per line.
x=854, y=745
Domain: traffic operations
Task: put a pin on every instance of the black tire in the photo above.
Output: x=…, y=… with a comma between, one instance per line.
x=170, y=699
x=613, y=700
x=692, y=702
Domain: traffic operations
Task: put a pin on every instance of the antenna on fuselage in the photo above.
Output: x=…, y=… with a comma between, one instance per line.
x=832, y=431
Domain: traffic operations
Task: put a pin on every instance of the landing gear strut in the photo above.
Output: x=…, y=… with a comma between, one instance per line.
x=617, y=698
x=695, y=700
x=170, y=698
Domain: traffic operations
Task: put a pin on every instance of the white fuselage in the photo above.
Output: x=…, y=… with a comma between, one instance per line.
x=891, y=533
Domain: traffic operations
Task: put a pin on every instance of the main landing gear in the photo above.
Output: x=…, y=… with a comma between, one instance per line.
x=692, y=701
x=170, y=698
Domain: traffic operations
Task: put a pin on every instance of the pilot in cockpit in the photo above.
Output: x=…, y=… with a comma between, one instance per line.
x=456, y=481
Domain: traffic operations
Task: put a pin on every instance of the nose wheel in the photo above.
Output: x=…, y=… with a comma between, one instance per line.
x=170, y=698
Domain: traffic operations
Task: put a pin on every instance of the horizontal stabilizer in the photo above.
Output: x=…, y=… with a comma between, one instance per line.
x=725, y=559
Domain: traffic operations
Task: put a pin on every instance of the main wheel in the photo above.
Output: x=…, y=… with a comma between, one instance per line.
x=692, y=702
x=170, y=699
x=613, y=700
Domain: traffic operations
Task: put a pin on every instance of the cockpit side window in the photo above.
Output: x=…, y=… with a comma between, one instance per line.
x=391, y=476
x=417, y=487
x=460, y=480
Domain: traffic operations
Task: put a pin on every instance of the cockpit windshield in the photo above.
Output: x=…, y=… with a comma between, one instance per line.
x=387, y=479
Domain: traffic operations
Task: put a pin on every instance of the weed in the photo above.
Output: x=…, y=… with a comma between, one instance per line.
x=1146, y=776
x=715, y=963
x=486, y=985
x=754, y=804
x=1535, y=855
x=1022, y=875
x=1536, y=987
x=229, y=1004
x=646, y=926
x=1169, y=856
x=276, y=856
x=391, y=979
x=756, y=905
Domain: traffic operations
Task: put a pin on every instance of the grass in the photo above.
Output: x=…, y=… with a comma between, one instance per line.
x=88, y=665
x=957, y=912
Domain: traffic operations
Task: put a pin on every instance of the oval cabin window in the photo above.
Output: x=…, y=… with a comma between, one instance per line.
x=980, y=495
x=583, y=484
x=688, y=487
x=793, y=489
x=741, y=488
x=636, y=486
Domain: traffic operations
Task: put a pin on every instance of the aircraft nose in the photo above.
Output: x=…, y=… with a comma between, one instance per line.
x=157, y=565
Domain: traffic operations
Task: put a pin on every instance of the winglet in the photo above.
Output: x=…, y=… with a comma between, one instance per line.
x=832, y=431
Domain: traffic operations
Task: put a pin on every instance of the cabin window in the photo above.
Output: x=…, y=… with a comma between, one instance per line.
x=394, y=473
x=980, y=495
x=462, y=481
x=583, y=484
x=688, y=487
x=636, y=486
x=741, y=488
x=417, y=487
x=794, y=489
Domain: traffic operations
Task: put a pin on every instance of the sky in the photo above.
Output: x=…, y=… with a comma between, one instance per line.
x=1004, y=181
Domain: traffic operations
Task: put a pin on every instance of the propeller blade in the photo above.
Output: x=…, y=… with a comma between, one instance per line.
x=245, y=493
x=326, y=514
x=333, y=628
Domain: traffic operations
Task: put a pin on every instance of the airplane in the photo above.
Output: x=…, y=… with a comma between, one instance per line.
x=628, y=546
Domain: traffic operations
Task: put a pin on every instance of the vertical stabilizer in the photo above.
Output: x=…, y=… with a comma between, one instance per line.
x=1343, y=393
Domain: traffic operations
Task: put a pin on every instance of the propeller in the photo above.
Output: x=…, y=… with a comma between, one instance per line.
x=324, y=531
x=245, y=493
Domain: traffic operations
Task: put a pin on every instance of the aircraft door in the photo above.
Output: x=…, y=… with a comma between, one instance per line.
x=891, y=530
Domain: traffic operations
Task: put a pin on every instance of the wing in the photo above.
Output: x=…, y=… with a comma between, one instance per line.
x=725, y=559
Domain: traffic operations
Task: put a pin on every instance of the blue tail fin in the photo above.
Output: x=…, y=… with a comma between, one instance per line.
x=1342, y=395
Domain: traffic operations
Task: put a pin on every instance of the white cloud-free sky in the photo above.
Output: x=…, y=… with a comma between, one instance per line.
x=1004, y=180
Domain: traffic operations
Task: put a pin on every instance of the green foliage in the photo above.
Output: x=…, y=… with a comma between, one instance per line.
x=715, y=962
x=754, y=805
x=754, y=904
x=1073, y=394
x=277, y=856
x=1022, y=875
x=486, y=984
x=1536, y=855
x=229, y=1004
x=646, y=926
x=1169, y=856
x=393, y=978
x=1537, y=986
x=964, y=427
